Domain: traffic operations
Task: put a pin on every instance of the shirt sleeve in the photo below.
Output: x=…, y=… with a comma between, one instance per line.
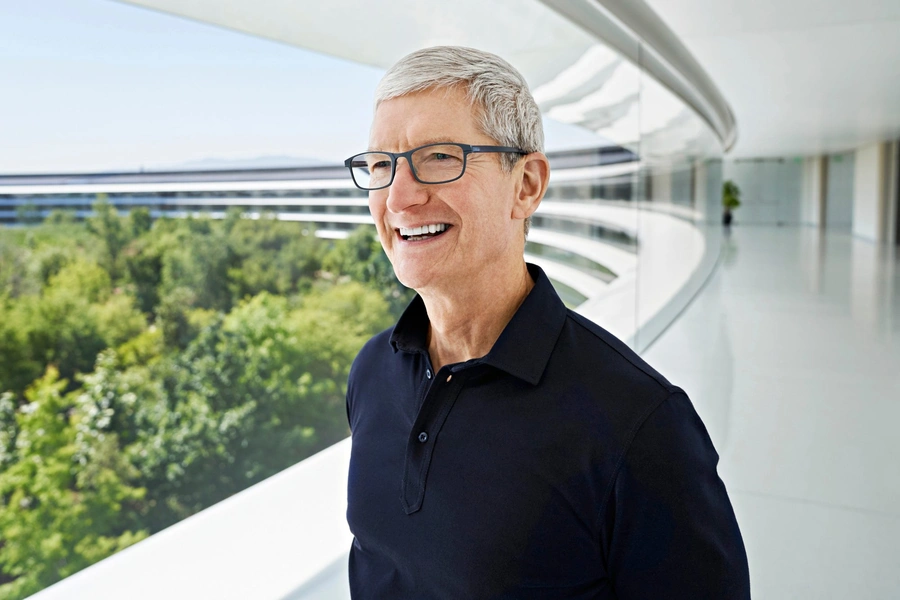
x=670, y=527
x=351, y=377
x=347, y=406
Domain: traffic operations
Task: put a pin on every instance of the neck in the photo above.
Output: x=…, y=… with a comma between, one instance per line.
x=466, y=321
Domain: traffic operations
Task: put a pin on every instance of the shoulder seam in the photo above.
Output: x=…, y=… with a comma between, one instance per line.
x=572, y=315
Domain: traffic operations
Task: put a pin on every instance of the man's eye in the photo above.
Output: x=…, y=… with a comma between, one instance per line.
x=380, y=165
x=443, y=156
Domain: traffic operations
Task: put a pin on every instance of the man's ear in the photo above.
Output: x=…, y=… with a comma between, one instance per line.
x=533, y=172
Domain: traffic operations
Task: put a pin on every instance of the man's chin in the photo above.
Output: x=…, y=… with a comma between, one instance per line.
x=420, y=278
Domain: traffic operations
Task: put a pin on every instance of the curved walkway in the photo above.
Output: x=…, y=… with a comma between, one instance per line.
x=791, y=355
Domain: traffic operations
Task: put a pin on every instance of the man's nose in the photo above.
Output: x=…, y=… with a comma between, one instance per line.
x=405, y=191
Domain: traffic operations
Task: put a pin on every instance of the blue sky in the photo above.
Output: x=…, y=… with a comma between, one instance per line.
x=95, y=85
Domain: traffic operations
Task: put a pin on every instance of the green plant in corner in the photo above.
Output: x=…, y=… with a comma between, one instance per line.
x=731, y=199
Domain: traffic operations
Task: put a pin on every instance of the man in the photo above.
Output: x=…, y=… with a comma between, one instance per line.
x=504, y=446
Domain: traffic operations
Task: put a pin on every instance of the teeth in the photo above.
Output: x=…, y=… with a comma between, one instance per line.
x=423, y=230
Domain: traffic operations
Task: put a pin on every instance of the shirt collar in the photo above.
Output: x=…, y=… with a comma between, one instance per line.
x=524, y=347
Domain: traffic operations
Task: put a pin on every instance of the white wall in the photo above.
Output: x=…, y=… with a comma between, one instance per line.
x=771, y=190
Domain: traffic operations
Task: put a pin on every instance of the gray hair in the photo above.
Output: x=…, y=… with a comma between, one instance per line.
x=507, y=110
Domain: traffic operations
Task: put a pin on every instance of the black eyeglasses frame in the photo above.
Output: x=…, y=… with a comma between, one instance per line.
x=466, y=148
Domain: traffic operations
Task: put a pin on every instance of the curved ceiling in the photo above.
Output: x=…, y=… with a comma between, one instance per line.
x=575, y=78
x=803, y=76
x=533, y=37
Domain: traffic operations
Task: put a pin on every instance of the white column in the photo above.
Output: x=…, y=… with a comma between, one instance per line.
x=815, y=187
x=892, y=234
x=875, y=172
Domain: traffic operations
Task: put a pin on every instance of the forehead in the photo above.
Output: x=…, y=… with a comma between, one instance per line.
x=433, y=115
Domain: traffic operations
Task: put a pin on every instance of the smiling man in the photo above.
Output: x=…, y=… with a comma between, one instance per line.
x=504, y=446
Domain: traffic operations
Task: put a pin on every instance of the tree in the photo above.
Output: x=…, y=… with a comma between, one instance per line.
x=63, y=498
x=28, y=213
x=272, y=256
x=60, y=216
x=18, y=366
x=107, y=226
x=139, y=221
x=145, y=377
x=77, y=315
x=253, y=393
x=17, y=276
x=199, y=261
x=361, y=258
x=8, y=429
x=143, y=265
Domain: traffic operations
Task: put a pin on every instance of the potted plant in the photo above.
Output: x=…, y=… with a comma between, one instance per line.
x=731, y=199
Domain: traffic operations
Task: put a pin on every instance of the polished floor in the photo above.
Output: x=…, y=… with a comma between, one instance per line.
x=791, y=355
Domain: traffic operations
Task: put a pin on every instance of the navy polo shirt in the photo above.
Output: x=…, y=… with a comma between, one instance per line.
x=559, y=465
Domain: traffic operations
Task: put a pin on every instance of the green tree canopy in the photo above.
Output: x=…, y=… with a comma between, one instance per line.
x=149, y=369
x=58, y=514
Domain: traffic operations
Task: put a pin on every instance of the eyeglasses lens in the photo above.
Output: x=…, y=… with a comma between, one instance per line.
x=371, y=169
x=438, y=163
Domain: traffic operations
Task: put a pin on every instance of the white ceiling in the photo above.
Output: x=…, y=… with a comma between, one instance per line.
x=531, y=36
x=803, y=76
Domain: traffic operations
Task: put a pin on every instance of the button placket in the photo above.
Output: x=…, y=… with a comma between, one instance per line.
x=438, y=402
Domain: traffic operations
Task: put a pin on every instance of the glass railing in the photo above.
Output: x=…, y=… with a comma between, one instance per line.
x=216, y=311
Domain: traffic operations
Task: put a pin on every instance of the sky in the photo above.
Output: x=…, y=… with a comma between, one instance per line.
x=97, y=85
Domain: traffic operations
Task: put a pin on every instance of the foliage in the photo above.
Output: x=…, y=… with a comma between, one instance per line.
x=60, y=216
x=731, y=195
x=149, y=369
x=28, y=213
x=361, y=259
x=110, y=230
x=59, y=514
x=76, y=315
x=17, y=367
x=272, y=257
x=264, y=386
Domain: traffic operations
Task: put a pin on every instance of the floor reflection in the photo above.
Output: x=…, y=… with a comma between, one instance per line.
x=791, y=356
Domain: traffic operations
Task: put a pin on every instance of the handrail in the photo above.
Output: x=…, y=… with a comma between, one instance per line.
x=632, y=28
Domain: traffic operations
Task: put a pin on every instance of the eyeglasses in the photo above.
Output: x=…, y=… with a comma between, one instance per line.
x=432, y=163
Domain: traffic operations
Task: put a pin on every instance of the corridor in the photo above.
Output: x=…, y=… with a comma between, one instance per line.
x=791, y=355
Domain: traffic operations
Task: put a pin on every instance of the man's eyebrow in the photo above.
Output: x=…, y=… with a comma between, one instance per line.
x=436, y=140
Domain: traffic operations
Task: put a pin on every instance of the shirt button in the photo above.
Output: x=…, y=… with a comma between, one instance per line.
x=423, y=437
x=428, y=373
x=449, y=377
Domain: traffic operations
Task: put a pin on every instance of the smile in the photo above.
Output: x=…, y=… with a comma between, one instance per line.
x=425, y=232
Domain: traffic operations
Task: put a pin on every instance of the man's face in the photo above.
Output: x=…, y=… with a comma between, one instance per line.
x=476, y=209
